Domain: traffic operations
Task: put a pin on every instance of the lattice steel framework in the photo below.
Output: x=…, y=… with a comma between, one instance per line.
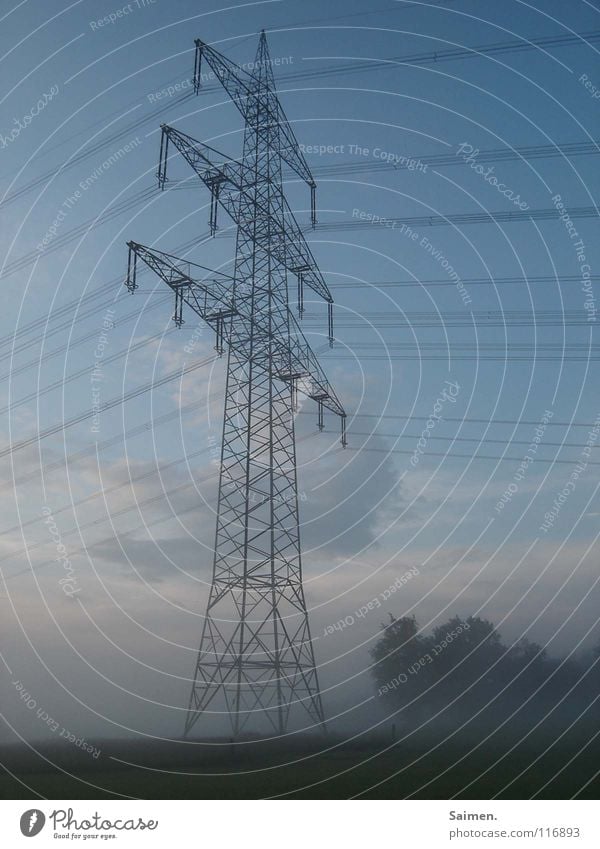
x=256, y=653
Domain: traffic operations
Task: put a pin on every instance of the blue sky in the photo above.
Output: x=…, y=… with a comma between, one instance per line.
x=115, y=657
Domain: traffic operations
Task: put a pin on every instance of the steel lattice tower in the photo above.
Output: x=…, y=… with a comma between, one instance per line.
x=256, y=653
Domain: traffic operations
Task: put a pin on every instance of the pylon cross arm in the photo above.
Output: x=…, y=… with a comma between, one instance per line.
x=293, y=251
x=294, y=362
x=211, y=299
x=242, y=89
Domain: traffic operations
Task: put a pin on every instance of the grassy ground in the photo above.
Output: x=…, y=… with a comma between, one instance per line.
x=248, y=772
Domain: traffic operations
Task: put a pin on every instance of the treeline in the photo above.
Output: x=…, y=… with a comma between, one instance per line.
x=463, y=671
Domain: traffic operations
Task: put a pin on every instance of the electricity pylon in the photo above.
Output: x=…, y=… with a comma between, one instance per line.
x=256, y=653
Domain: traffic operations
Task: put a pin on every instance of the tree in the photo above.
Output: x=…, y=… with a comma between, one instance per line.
x=400, y=661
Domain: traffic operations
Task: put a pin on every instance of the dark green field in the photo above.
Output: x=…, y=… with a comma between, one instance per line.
x=256, y=770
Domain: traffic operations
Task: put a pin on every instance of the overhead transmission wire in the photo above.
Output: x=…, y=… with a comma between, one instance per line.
x=82, y=229
x=98, y=447
x=453, y=455
x=160, y=468
x=520, y=45
x=59, y=242
x=84, y=549
x=146, y=194
x=118, y=534
x=102, y=289
x=437, y=57
x=135, y=392
x=64, y=381
x=88, y=152
x=162, y=495
x=74, y=343
x=85, y=154
x=442, y=160
x=117, y=514
x=451, y=357
x=382, y=346
x=447, y=318
x=499, y=217
x=75, y=303
x=468, y=419
x=107, y=405
x=192, y=407
x=386, y=350
x=421, y=221
x=345, y=224
x=158, y=421
x=188, y=485
x=434, y=57
x=420, y=350
x=347, y=320
x=468, y=281
x=486, y=439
